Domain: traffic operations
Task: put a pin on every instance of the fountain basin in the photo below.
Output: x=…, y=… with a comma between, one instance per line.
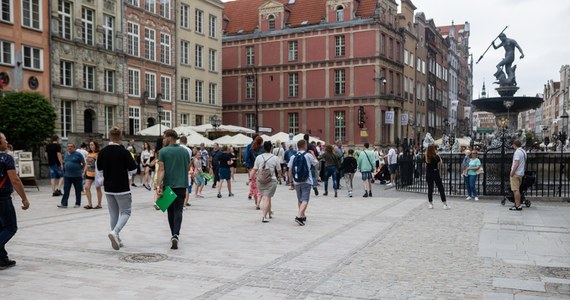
x=496, y=104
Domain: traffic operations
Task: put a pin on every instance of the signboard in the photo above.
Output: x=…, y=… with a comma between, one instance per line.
x=265, y=129
x=404, y=119
x=389, y=117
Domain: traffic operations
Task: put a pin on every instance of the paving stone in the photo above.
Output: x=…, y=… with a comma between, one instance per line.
x=518, y=284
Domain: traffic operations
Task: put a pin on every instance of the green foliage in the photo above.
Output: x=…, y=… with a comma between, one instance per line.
x=27, y=119
x=531, y=139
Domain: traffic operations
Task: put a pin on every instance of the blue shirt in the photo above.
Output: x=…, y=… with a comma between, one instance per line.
x=73, y=164
x=6, y=163
x=473, y=163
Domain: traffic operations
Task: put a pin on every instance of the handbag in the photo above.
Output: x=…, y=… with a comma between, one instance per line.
x=480, y=170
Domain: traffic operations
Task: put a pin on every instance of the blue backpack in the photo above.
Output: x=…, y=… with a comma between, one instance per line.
x=300, y=168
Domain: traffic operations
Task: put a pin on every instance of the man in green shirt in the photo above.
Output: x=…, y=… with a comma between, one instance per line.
x=174, y=164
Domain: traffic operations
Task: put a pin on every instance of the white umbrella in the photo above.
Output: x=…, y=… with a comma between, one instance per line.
x=282, y=136
x=224, y=140
x=239, y=129
x=240, y=140
x=185, y=130
x=222, y=128
x=197, y=139
x=265, y=137
x=155, y=130
x=300, y=136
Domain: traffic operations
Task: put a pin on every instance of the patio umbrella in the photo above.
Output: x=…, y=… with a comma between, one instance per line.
x=155, y=130
x=282, y=136
x=224, y=140
x=300, y=136
x=222, y=128
x=185, y=130
x=197, y=139
x=240, y=140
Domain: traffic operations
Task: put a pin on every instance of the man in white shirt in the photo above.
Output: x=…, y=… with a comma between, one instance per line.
x=517, y=173
x=303, y=189
x=392, y=166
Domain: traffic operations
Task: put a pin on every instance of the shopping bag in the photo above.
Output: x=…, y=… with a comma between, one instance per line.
x=166, y=199
x=207, y=176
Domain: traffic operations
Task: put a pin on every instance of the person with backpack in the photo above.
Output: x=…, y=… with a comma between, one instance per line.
x=366, y=165
x=264, y=170
x=349, y=165
x=331, y=165
x=300, y=173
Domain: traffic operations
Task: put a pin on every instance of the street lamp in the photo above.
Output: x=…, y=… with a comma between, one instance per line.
x=159, y=112
x=215, y=121
x=251, y=82
x=562, y=136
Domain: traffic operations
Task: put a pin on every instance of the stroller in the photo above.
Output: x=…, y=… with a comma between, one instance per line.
x=528, y=180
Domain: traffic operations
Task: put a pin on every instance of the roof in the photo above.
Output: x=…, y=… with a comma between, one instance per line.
x=444, y=30
x=243, y=15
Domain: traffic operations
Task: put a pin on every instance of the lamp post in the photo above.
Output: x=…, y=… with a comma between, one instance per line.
x=215, y=121
x=451, y=141
x=562, y=136
x=159, y=112
x=251, y=82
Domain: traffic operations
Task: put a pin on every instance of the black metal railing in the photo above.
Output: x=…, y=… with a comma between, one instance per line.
x=552, y=175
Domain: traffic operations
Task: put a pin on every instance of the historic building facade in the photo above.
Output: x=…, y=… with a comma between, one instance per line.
x=199, y=61
x=86, y=47
x=24, y=46
x=333, y=69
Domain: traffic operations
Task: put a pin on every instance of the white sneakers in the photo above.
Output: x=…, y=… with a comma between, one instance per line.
x=445, y=206
x=476, y=198
x=114, y=240
x=430, y=206
x=468, y=198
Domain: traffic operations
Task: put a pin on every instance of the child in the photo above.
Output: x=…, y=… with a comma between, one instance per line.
x=349, y=165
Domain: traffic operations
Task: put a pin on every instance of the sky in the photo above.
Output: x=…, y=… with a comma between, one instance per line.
x=540, y=27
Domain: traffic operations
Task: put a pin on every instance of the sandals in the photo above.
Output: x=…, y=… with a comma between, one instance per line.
x=88, y=207
x=98, y=207
x=516, y=208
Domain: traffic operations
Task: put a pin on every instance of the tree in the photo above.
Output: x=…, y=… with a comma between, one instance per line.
x=27, y=119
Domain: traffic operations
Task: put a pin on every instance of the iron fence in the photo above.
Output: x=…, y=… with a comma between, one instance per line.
x=552, y=177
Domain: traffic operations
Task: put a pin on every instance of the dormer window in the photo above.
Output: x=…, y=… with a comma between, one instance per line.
x=339, y=13
x=271, y=21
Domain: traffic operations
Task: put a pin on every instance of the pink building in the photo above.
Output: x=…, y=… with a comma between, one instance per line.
x=333, y=69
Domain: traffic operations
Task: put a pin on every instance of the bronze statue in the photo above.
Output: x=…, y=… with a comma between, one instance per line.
x=508, y=79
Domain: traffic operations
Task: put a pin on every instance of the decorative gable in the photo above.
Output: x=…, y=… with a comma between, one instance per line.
x=271, y=16
x=341, y=10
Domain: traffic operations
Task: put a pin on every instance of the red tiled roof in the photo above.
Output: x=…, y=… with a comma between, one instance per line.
x=244, y=14
x=444, y=30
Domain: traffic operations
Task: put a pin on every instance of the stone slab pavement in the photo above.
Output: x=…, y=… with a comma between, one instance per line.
x=389, y=246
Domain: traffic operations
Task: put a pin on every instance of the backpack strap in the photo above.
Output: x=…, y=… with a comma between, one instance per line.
x=3, y=180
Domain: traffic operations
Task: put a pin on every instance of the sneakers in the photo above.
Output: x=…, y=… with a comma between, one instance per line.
x=133, y=184
x=390, y=184
x=114, y=240
x=430, y=206
x=476, y=198
x=445, y=206
x=316, y=191
x=369, y=193
x=219, y=195
x=76, y=206
x=61, y=206
x=325, y=193
x=187, y=204
x=335, y=194
x=156, y=207
x=365, y=194
x=6, y=263
x=57, y=193
x=230, y=194
x=516, y=208
x=146, y=186
x=264, y=220
x=468, y=198
x=299, y=221
x=174, y=242
x=350, y=194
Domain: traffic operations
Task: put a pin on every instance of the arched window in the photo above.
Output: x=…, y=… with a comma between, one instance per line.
x=271, y=20
x=339, y=13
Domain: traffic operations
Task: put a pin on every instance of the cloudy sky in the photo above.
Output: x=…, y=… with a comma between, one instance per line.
x=541, y=28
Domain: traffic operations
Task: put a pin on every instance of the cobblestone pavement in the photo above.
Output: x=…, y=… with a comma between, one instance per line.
x=390, y=246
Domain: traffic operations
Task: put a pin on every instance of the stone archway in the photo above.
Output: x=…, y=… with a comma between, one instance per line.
x=89, y=121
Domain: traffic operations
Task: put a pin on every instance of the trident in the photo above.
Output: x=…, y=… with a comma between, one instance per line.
x=491, y=45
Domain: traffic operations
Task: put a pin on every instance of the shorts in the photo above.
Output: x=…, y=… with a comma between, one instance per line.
x=268, y=189
x=224, y=174
x=55, y=172
x=516, y=182
x=303, y=191
x=392, y=168
x=199, y=180
x=366, y=176
x=89, y=178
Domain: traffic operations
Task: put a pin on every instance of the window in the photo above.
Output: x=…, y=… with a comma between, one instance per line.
x=88, y=27
x=250, y=121
x=294, y=123
x=213, y=91
x=66, y=118
x=405, y=56
x=89, y=77
x=6, y=11
x=185, y=89
x=134, y=2
x=185, y=52
x=66, y=73
x=271, y=21
x=150, y=85
x=165, y=48
x=149, y=43
x=411, y=60
x=185, y=16
x=198, y=56
x=64, y=11
x=165, y=86
x=339, y=80
x=213, y=30
x=199, y=15
x=293, y=84
x=184, y=119
x=339, y=45
x=6, y=53
x=212, y=60
x=108, y=32
x=293, y=50
x=150, y=6
x=33, y=58
x=199, y=120
x=199, y=91
x=134, y=119
x=166, y=118
x=339, y=13
x=134, y=82
x=132, y=39
x=249, y=56
x=109, y=81
x=109, y=119
x=165, y=9
x=31, y=14
x=249, y=87
x=339, y=126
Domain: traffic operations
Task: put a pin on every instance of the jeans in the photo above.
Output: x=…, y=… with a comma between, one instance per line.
x=119, y=210
x=348, y=177
x=216, y=174
x=331, y=171
x=67, y=182
x=431, y=179
x=314, y=176
x=8, y=223
x=471, y=188
x=175, y=211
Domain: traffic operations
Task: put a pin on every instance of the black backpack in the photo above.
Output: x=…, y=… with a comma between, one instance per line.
x=300, y=170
